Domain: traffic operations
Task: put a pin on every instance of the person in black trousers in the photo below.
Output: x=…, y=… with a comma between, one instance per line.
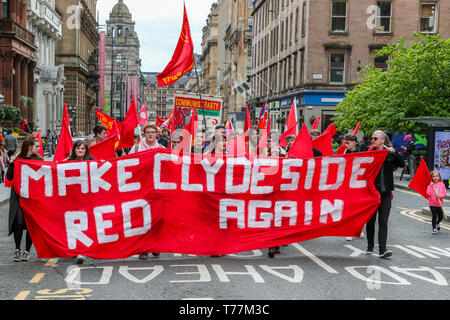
x=384, y=183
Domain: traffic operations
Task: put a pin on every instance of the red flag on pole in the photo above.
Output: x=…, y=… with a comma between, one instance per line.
x=302, y=147
x=143, y=115
x=65, y=142
x=130, y=123
x=182, y=60
x=323, y=143
x=421, y=179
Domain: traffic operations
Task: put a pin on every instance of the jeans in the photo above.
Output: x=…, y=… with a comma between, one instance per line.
x=438, y=215
x=383, y=216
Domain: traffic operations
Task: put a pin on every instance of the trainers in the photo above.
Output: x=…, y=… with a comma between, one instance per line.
x=143, y=256
x=386, y=254
x=80, y=259
x=25, y=256
x=434, y=231
x=17, y=256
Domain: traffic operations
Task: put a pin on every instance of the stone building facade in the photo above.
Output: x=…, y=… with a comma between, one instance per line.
x=17, y=57
x=46, y=24
x=78, y=52
x=312, y=50
x=122, y=47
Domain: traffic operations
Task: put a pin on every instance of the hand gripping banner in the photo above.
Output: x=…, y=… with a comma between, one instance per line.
x=156, y=201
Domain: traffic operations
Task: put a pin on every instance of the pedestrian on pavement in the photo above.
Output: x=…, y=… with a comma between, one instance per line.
x=11, y=143
x=436, y=192
x=384, y=183
x=30, y=151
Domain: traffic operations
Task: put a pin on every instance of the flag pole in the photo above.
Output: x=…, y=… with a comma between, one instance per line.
x=199, y=90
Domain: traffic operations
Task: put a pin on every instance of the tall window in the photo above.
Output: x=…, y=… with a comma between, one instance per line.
x=5, y=9
x=384, y=16
x=338, y=16
x=428, y=18
x=337, y=67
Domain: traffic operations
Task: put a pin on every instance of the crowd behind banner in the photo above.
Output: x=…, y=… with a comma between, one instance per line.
x=112, y=139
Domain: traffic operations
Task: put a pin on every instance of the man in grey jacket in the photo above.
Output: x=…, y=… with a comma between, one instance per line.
x=11, y=143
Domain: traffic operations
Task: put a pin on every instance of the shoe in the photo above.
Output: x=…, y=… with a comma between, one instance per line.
x=17, y=256
x=386, y=254
x=271, y=253
x=155, y=254
x=369, y=250
x=349, y=238
x=143, y=256
x=80, y=259
x=25, y=256
x=277, y=250
x=434, y=231
x=438, y=227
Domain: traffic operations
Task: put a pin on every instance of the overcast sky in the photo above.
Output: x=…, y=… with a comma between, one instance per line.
x=158, y=26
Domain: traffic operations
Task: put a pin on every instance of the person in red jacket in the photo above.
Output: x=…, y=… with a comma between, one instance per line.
x=436, y=192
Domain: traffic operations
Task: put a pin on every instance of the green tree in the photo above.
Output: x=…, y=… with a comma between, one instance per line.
x=416, y=84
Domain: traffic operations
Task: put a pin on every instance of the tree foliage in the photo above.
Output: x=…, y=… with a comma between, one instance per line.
x=415, y=85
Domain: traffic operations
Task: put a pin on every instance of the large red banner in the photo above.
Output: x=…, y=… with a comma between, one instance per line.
x=157, y=201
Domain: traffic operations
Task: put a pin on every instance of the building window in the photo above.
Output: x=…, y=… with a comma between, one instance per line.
x=338, y=16
x=337, y=67
x=428, y=18
x=380, y=63
x=5, y=9
x=384, y=16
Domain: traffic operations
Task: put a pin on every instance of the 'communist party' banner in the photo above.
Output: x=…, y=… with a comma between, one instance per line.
x=156, y=201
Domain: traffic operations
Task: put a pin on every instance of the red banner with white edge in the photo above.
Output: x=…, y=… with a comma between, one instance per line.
x=156, y=201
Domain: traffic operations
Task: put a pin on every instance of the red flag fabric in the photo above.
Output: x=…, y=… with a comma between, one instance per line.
x=316, y=123
x=41, y=146
x=143, y=115
x=65, y=142
x=183, y=58
x=421, y=179
x=104, y=150
x=302, y=147
x=153, y=206
x=323, y=143
x=292, y=120
x=130, y=123
x=291, y=131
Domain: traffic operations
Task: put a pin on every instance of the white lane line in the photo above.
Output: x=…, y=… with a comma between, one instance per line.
x=318, y=261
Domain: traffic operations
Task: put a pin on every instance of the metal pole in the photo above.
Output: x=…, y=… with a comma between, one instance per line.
x=199, y=91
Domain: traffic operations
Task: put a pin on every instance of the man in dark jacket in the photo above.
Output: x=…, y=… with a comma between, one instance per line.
x=384, y=183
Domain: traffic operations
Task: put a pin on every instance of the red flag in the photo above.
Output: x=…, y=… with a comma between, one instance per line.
x=41, y=147
x=182, y=59
x=104, y=150
x=143, y=116
x=291, y=131
x=292, y=119
x=323, y=143
x=65, y=142
x=302, y=147
x=316, y=123
x=130, y=123
x=421, y=179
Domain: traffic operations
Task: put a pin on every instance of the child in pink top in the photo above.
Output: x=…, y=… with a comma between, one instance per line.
x=436, y=192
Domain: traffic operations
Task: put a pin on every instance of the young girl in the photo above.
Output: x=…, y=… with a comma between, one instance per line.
x=436, y=192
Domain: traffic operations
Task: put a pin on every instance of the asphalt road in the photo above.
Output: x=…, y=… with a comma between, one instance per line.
x=321, y=269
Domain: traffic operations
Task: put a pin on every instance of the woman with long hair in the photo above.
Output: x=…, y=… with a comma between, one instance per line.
x=30, y=151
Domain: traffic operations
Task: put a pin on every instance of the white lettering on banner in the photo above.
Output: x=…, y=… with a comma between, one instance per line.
x=288, y=174
x=259, y=176
x=103, y=224
x=146, y=215
x=358, y=171
x=96, y=176
x=231, y=188
x=27, y=173
x=211, y=172
x=75, y=230
x=185, y=186
x=64, y=181
x=123, y=176
x=341, y=162
x=159, y=158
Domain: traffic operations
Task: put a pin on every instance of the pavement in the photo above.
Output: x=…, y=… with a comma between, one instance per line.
x=401, y=184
